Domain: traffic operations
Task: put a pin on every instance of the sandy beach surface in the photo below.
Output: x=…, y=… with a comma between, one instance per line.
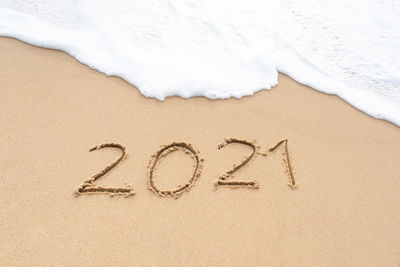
x=345, y=211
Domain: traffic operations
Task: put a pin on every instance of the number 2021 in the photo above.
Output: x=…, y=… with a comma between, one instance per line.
x=223, y=180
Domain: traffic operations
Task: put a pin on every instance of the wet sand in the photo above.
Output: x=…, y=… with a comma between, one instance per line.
x=345, y=211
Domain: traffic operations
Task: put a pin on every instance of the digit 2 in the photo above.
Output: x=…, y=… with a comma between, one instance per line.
x=89, y=186
x=223, y=179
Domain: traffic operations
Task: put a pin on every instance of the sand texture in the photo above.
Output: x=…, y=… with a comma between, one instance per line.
x=314, y=182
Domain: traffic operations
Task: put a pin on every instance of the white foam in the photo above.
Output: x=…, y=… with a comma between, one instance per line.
x=222, y=49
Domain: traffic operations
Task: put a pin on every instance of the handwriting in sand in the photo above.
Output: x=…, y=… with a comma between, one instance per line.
x=223, y=180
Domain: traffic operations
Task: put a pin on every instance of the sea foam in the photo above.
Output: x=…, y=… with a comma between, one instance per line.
x=221, y=49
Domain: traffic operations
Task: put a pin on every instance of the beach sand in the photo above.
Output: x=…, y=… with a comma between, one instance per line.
x=53, y=109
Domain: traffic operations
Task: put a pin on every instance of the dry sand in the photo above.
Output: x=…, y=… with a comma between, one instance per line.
x=346, y=210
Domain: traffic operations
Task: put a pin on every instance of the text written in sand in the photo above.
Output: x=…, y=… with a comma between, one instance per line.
x=224, y=180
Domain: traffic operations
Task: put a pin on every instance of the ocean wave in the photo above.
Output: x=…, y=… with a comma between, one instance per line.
x=222, y=49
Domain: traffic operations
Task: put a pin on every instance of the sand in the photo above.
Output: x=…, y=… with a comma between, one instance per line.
x=345, y=210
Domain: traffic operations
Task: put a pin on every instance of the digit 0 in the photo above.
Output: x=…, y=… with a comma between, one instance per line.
x=163, y=152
